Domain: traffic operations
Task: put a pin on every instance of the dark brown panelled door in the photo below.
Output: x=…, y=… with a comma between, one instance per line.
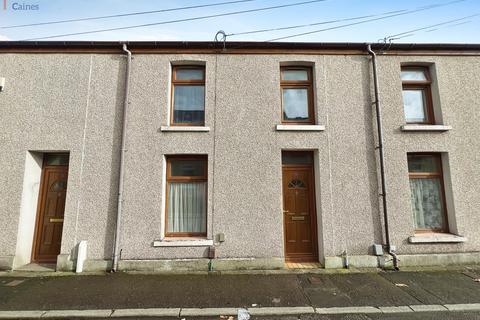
x=51, y=207
x=299, y=214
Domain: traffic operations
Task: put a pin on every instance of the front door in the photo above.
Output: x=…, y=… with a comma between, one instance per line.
x=51, y=207
x=299, y=207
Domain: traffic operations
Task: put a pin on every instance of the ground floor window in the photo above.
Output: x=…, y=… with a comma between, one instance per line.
x=427, y=192
x=186, y=209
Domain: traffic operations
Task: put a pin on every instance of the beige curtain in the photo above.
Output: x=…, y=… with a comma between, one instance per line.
x=187, y=207
x=426, y=203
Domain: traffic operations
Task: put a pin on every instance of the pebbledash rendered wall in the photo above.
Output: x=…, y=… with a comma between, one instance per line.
x=59, y=102
x=73, y=101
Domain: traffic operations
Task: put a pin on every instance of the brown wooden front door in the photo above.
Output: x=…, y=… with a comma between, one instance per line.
x=299, y=213
x=51, y=207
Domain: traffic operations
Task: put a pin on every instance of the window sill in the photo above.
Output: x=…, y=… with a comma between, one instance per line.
x=183, y=242
x=436, y=238
x=184, y=129
x=425, y=127
x=300, y=127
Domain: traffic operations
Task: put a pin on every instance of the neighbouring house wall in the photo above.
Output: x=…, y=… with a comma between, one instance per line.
x=62, y=102
x=73, y=102
x=458, y=82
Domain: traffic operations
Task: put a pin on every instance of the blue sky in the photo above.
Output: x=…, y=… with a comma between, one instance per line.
x=51, y=10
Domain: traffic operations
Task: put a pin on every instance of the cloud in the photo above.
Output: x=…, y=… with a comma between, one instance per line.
x=4, y=38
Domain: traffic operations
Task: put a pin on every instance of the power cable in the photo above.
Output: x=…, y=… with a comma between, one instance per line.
x=412, y=32
x=451, y=26
x=125, y=14
x=312, y=24
x=178, y=20
x=366, y=21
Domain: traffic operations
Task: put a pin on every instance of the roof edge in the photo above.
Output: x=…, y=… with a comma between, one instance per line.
x=61, y=46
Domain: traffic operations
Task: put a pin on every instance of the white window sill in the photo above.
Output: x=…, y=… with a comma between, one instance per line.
x=183, y=243
x=436, y=238
x=184, y=129
x=300, y=127
x=425, y=127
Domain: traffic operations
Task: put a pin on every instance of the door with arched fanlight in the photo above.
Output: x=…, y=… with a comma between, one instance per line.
x=299, y=213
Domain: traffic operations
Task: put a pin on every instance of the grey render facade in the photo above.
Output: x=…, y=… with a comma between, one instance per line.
x=69, y=97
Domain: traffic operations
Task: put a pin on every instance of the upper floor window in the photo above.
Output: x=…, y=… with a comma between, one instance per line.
x=186, y=196
x=297, y=95
x=427, y=192
x=188, y=96
x=417, y=95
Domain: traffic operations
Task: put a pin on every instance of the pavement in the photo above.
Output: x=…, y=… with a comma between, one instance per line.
x=419, y=294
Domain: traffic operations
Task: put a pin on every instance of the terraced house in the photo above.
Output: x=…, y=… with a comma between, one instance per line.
x=205, y=155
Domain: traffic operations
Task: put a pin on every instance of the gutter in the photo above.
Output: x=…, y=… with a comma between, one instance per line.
x=116, y=244
x=175, y=46
x=383, y=176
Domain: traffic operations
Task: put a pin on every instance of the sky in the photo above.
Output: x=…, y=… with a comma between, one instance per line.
x=462, y=31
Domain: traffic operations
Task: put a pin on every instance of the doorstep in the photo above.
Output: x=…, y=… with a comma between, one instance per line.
x=303, y=265
x=37, y=267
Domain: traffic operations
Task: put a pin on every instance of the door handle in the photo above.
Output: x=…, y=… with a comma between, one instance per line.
x=53, y=220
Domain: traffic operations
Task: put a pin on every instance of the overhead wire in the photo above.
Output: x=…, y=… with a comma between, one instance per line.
x=177, y=20
x=312, y=24
x=412, y=32
x=367, y=21
x=126, y=14
x=453, y=25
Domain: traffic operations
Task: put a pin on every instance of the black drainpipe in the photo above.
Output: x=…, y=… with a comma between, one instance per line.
x=382, y=157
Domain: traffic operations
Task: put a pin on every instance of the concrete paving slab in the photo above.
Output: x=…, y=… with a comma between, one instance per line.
x=463, y=307
x=152, y=312
x=204, y=312
x=100, y=313
x=347, y=310
x=344, y=290
x=428, y=307
x=21, y=314
x=268, y=311
x=421, y=316
x=443, y=287
x=400, y=309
